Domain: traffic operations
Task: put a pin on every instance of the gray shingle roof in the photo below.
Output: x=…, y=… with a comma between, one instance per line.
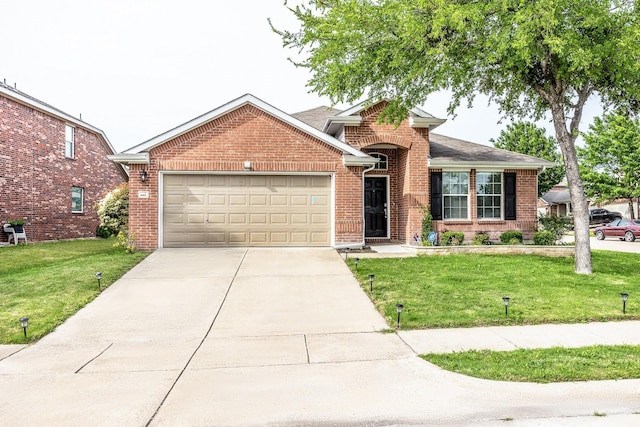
x=444, y=149
x=447, y=149
x=316, y=117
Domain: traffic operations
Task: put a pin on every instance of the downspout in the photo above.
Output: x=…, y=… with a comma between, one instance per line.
x=361, y=244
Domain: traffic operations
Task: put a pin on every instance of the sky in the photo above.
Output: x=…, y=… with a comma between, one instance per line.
x=137, y=68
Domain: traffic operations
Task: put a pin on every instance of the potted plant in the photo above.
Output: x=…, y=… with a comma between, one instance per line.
x=17, y=225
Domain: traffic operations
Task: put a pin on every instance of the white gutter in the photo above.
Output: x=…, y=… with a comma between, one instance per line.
x=436, y=164
x=425, y=122
x=130, y=158
x=351, y=160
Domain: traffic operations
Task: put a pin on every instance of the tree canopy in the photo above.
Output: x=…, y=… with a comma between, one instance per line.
x=531, y=58
x=610, y=159
x=527, y=138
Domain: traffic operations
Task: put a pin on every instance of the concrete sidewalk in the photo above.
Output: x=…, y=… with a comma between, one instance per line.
x=506, y=338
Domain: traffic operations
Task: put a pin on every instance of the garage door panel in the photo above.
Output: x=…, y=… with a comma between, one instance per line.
x=244, y=210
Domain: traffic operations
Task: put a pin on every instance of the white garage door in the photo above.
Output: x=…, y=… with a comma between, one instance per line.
x=246, y=210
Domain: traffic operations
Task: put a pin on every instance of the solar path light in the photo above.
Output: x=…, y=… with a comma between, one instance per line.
x=505, y=301
x=24, y=322
x=399, y=308
x=99, y=276
x=625, y=297
x=356, y=261
x=371, y=277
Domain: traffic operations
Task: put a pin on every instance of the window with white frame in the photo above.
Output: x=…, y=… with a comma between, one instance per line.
x=77, y=199
x=455, y=195
x=489, y=195
x=69, y=141
x=383, y=164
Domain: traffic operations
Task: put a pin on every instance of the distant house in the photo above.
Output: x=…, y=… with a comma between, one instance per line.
x=53, y=168
x=556, y=202
x=249, y=174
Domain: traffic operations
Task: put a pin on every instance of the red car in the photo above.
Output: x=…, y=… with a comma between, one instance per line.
x=624, y=229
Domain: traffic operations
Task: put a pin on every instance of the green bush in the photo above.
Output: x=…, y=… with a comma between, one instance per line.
x=481, y=238
x=544, y=238
x=557, y=225
x=511, y=237
x=104, y=231
x=427, y=225
x=452, y=238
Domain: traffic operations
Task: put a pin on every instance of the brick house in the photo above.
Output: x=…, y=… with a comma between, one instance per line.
x=248, y=174
x=53, y=169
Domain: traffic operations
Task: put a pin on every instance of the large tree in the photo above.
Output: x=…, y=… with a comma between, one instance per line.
x=610, y=158
x=527, y=138
x=531, y=58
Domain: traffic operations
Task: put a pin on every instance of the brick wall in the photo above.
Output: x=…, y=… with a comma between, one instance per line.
x=36, y=178
x=224, y=144
x=408, y=172
x=526, y=210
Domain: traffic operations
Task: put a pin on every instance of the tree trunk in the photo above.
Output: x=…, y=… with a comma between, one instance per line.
x=578, y=199
x=633, y=215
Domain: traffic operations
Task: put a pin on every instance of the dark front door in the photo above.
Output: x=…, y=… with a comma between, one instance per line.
x=375, y=207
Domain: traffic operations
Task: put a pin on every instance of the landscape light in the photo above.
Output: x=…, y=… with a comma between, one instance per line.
x=625, y=297
x=356, y=261
x=99, y=276
x=24, y=322
x=371, y=276
x=505, y=301
x=399, y=308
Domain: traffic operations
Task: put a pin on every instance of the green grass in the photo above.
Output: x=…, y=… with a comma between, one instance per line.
x=467, y=290
x=545, y=365
x=49, y=282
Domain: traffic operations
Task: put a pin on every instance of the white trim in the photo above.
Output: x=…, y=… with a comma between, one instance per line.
x=451, y=165
x=247, y=99
x=349, y=160
x=425, y=122
x=501, y=196
x=386, y=158
x=130, y=159
x=161, y=209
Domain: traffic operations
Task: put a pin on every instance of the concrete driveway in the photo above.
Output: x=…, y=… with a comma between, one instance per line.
x=262, y=337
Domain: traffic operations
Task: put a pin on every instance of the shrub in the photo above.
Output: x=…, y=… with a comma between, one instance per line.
x=481, y=238
x=104, y=232
x=427, y=225
x=511, y=237
x=113, y=211
x=544, y=238
x=452, y=238
x=125, y=240
x=557, y=225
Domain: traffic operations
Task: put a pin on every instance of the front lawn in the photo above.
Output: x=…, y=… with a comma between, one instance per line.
x=545, y=365
x=49, y=282
x=467, y=290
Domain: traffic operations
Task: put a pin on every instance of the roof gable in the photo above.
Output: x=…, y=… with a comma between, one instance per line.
x=418, y=118
x=227, y=108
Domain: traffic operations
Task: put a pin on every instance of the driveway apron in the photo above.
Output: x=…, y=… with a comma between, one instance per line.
x=254, y=337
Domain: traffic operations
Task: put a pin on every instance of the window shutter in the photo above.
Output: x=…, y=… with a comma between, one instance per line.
x=509, y=195
x=436, y=195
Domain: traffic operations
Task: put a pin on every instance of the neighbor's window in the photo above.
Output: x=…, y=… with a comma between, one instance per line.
x=77, y=199
x=383, y=164
x=69, y=141
x=455, y=190
x=489, y=195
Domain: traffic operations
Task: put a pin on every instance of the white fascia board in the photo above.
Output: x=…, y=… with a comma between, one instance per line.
x=333, y=124
x=349, y=160
x=130, y=158
x=234, y=105
x=425, y=122
x=16, y=96
x=484, y=166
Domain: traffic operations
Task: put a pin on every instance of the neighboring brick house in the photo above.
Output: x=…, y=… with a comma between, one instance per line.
x=53, y=169
x=248, y=174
